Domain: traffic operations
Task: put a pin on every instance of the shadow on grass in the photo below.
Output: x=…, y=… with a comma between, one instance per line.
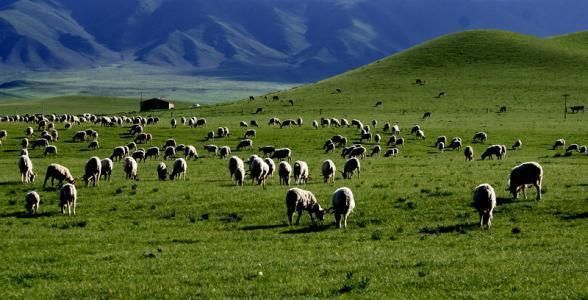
x=26, y=215
x=457, y=228
x=12, y=150
x=504, y=201
x=263, y=227
x=574, y=216
x=309, y=229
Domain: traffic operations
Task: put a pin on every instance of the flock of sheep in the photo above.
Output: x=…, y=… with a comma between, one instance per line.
x=259, y=168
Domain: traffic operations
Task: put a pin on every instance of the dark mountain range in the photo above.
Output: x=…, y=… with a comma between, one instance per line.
x=300, y=40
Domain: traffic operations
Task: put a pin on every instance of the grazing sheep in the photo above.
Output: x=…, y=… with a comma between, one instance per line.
x=170, y=143
x=288, y=123
x=106, y=166
x=243, y=124
x=224, y=151
x=152, y=152
x=190, y=152
x=210, y=136
x=253, y=123
x=503, y=151
x=415, y=129
x=130, y=166
x=282, y=153
x=377, y=138
x=274, y=121
x=468, y=152
x=328, y=170
x=517, y=145
x=391, y=141
x=94, y=145
x=43, y=143
x=480, y=137
x=343, y=204
x=139, y=155
x=441, y=146
x=420, y=134
x=32, y=202
x=315, y=124
x=258, y=169
x=573, y=147
x=300, y=172
x=351, y=165
x=493, y=150
x=24, y=143
x=583, y=149
x=441, y=139
x=141, y=138
x=325, y=122
x=59, y=172
x=559, y=143
x=173, y=123
x=93, y=170
x=357, y=123
x=52, y=149
x=376, y=150
x=399, y=142
x=25, y=165
x=211, y=149
x=246, y=143
x=169, y=152
x=24, y=152
x=455, y=143
x=179, y=170
x=79, y=136
x=161, y=171
x=284, y=171
x=329, y=146
x=68, y=198
x=251, y=133
x=236, y=163
x=267, y=150
x=272, y=167
x=131, y=146
x=298, y=200
x=392, y=152
x=523, y=174
x=200, y=123
x=29, y=132
x=3, y=134
x=118, y=153
x=358, y=151
x=484, y=201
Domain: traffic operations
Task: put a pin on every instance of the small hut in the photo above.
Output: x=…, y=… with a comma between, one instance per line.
x=156, y=103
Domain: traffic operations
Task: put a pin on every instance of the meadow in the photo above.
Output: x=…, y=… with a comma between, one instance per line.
x=413, y=233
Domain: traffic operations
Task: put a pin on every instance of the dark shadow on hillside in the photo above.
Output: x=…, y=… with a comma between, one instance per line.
x=309, y=229
x=574, y=216
x=457, y=228
x=263, y=227
x=26, y=215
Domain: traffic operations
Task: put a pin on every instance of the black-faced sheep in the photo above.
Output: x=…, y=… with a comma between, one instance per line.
x=298, y=200
x=484, y=200
x=118, y=153
x=152, y=152
x=267, y=150
x=523, y=174
x=376, y=150
x=170, y=152
x=559, y=143
x=250, y=134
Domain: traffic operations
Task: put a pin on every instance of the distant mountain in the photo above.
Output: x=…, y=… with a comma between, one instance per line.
x=300, y=40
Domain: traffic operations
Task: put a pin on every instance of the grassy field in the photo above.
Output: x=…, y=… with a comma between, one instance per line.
x=413, y=233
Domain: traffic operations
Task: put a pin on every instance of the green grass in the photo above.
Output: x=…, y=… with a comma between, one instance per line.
x=413, y=233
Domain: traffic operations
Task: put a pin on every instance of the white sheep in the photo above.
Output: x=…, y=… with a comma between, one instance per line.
x=237, y=170
x=485, y=202
x=272, y=166
x=52, y=149
x=93, y=170
x=106, y=166
x=517, y=145
x=523, y=174
x=224, y=151
x=161, y=171
x=441, y=146
x=32, y=202
x=130, y=167
x=300, y=172
x=328, y=170
x=59, y=172
x=284, y=171
x=559, y=143
x=343, y=205
x=258, y=169
x=179, y=170
x=468, y=152
x=68, y=197
x=25, y=165
x=351, y=165
x=298, y=200
x=190, y=152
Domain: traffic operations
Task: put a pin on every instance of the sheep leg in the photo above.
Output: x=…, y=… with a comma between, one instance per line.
x=338, y=220
x=538, y=188
x=74, y=208
x=299, y=215
x=525, y=191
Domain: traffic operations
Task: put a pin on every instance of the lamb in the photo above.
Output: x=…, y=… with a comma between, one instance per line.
x=272, y=167
x=224, y=151
x=328, y=170
x=161, y=171
x=139, y=155
x=484, y=201
x=25, y=165
x=358, y=151
x=52, y=149
x=468, y=152
x=441, y=139
x=93, y=170
x=284, y=171
x=246, y=143
x=79, y=136
x=235, y=164
x=480, y=137
x=179, y=170
x=68, y=197
x=517, y=145
x=152, y=152
x=190, y=152
x=392, y=152
x=251, y=133
x=130, y=167
x=94, y=145
x=523, y=174
x=300, y=172
x=118, y=153
x=559, y=143
x=315, y=124
x=572, y=147
x=376, y=150
x=343, y=204
x=282, y=153
x=298, y=200
x=169, y=152
x=267, y=150
x=351, y=165
x=106, y=166
x=59, y=172
x=420, y=134
x=492, y=150
x=32, y=202
x=441, y=146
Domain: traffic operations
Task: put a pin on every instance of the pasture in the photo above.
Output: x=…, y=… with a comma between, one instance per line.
x=413, y=233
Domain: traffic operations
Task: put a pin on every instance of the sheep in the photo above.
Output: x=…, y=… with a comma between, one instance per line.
x=92, y=171
x=288, y=123
x=190, y=152
x=253, y=123
x=583, y=149
x=43, y=143
x=267, y=150
x=32, y=202
x=329, y=146
x=211, y=149
x=358, y=151
x=480, y=137
x=68, y=197
x=365, y=136
x=396, y=129
x=272, y=167
x=173, y=123
x=468, y=152
x=420, y=134
x=298, y=200
x=52, y=149
x=135, y=129
x=274, y=121
x=343, y=204
x=152, y=152
x=392, y=152
x=325, y=122
x=210, y=136
x=141, y=138
x=222, y=132
x=24, y=152
x=59, y=172
x=79, y=136
x=415, y=129
x=517, y=145
x=3, y=134
x=284, y=171
x=170, y=143
x=282, y=153
x=94, y=145
x=484, y=200
x=376, y=150
x=503, y=151
x=377, y=138
x=201, y=123
x=258, y=169
x=24, y=143
x=161, y=171
x=106, y=166
x=179, y=170
x=300, y=172
x=523, y=174
x=351, y=165
x=328, y=170
x=572, y=147
x=29, y=132
x=493, y=150
x=391, y=141
x=455, y=143
x=300, y=121
x=315, y=124
x=250, y=134
x=246, y=143
x=224, y=151
x=441, y=146
x=356, y=122
x=118, y=153
x=559, y=143
x=169, y=152
x=243, y=124
x=347, y=150
x=235, y=163
x=441, y=139
x=131, y=146
x=139, y=155
x=130, y=167
x=25, y=165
